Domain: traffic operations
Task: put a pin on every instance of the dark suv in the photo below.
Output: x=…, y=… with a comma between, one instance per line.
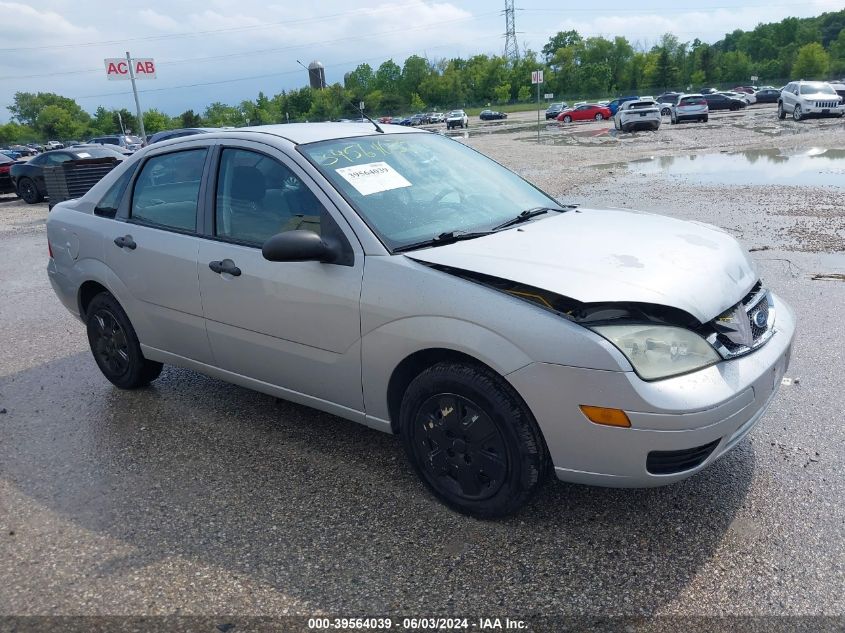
x=554, y=109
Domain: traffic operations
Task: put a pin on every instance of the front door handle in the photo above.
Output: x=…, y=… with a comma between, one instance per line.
x=225, y=266
x=126, y=241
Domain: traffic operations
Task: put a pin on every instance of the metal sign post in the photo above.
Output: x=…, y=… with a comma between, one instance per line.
x=137, y=103
x=537, y=78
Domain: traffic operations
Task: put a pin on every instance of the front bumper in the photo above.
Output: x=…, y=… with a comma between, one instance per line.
x=815, y=109
x=718, y=405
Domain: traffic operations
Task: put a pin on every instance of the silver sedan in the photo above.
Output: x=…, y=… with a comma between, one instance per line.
x=402, y=280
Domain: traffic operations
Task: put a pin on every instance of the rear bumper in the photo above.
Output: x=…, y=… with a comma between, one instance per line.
x=716, y=406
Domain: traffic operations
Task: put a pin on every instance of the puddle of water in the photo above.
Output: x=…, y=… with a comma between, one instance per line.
x=815, y=167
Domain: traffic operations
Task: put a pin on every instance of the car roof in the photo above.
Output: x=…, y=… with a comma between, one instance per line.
x=301, y=133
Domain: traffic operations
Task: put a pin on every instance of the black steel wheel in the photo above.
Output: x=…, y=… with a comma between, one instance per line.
x=472, y=440
x=115, y=345
x=28, y=191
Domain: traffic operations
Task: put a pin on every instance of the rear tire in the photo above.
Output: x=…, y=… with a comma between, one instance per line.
x=471, y=439
x=28, y=191
x=567, y=119
x=115, y=346
x=781, y=111
x=705, y=119
x=599, y=116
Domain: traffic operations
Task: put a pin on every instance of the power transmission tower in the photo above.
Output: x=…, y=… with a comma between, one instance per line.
x=511, y=47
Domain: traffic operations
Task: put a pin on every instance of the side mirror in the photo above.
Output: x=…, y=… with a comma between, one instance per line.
x=299, y=246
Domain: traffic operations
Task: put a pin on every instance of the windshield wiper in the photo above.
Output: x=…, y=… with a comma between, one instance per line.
x=524, y=216
x=450, y=237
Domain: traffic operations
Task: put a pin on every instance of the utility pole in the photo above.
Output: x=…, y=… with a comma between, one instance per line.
x=137, y=103
x=511, y=47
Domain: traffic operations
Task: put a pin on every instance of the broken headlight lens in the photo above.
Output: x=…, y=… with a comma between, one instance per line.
x=660, y=351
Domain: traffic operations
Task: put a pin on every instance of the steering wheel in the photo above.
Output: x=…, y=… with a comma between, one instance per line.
x=445, y=192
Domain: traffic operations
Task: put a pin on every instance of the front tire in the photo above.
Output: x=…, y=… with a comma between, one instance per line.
x=115, y=345
x=796, y=113
x=28, y=191
x=567, y=119
x=471, y=439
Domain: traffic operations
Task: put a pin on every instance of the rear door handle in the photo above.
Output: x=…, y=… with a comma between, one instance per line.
x=225, y=266
x=126, y=241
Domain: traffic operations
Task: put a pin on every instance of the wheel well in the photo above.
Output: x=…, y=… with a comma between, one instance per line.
x=413, y=366
x=87, y=292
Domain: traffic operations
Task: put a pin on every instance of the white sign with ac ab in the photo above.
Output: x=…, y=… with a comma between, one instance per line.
x=118, y=68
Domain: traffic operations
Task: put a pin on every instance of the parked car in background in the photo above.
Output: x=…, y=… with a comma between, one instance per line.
x=667, y=100
x=417, y=119
x=742, y=96
x=6, y=184
x=838, y=88
x=188, y=131
x=708, y=91
x=642, y=114
x=437, y=117
x=809, y=98
x=457, y=118
x=128, y=141
x=613, y=106
x=54, y=145
x=492, y=115
x=28, y=177
x=402, y=120
x=554, y=109
x=585, y=112
x=24, y=150
x=767, y=95
x=10, y=153
x=716, y=101
x=690, y=107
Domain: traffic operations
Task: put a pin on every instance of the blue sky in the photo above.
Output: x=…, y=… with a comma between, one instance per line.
x=239, y=48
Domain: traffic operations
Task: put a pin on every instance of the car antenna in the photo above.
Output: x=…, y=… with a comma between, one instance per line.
x=361, y=110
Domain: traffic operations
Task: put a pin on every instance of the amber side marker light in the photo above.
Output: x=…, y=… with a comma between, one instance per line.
x=608, y=417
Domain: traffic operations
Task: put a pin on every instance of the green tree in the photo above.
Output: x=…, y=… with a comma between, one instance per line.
x=190, y=119
x=524, y=94
x=388, y=77
x=561, y=39
x=812, y=62
x=413, y=73
x=502, y=93
x=55, y=122
x=156, y=121
x=222, y=115
x=416, y=103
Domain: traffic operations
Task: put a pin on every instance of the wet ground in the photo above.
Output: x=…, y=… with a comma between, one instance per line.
x=197, y=497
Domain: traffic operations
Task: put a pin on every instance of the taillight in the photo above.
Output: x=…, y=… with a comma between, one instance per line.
x=5, y=169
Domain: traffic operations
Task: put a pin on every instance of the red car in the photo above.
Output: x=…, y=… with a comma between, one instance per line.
x=586, y=112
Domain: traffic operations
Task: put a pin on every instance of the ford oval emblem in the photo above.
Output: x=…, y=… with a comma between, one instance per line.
x=760, y=318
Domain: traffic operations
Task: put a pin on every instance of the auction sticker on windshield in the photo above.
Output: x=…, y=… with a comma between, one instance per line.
x=373, y=178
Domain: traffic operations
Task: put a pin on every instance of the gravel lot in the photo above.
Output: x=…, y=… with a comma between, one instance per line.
x=199, y=497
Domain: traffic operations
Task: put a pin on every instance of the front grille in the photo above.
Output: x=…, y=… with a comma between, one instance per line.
x=746, y=326
x=827, y=104
x=671, y=462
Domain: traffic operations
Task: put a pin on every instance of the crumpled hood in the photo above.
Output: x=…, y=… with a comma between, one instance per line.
x=595, y=255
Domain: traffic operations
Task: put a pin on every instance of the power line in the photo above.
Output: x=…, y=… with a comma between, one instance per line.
x=250, y=78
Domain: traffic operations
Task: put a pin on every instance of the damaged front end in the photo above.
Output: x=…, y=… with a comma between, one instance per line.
x=659, y=341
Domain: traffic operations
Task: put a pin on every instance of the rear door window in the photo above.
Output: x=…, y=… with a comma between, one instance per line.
x=166, y=193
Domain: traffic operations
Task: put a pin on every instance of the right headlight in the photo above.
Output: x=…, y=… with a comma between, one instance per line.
x=660, y=351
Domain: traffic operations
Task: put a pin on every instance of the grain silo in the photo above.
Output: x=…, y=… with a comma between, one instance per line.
x=317, y=75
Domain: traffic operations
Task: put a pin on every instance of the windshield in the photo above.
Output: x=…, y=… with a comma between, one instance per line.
x=415, y=187
x=817, y=88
